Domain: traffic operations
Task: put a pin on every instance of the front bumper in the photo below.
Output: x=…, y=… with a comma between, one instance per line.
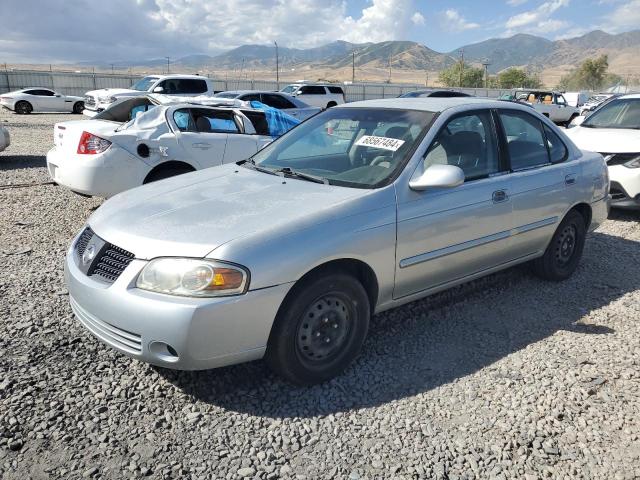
x=624, y=187
x=201, y=333
x=102, y=175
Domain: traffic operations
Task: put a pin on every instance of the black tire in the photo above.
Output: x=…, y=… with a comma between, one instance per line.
x=331, y=104
x=332, y=307
x=162, y=172
x=563, y=254
x=78, y=107
x=23, y=107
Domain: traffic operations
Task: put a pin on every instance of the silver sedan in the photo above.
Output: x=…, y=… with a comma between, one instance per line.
x=360, y=209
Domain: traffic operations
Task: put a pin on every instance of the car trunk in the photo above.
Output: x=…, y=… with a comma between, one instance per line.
x=66, y=135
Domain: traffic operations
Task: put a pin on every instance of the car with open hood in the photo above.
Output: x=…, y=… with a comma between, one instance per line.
x=148, y=138
x=614, y=131
x=359, y=209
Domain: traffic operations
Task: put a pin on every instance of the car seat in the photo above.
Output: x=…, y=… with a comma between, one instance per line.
x=203, y=125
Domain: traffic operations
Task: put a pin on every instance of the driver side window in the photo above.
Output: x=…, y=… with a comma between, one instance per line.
x=468, y=142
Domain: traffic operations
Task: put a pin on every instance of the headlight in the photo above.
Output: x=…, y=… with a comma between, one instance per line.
x=192, y=277
x=107, y=99
x=633, y=163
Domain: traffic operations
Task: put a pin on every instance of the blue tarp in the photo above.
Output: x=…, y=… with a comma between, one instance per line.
x=278, y=121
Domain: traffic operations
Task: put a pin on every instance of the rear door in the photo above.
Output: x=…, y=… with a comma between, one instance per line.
x=203, y=134
x=543, y=182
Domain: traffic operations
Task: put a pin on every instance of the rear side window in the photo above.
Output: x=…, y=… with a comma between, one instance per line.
x=276, y=101
x=184, y=121
x=250, y=97
x=336, y=90
x=190, y=85
x=214, y=121
x=557, y=149
x=312, y=90
x=258, y=120
x=41, y=93
x=526, y=143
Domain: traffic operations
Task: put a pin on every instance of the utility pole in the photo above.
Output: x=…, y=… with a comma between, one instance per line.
x=426, y=79
x=461, y=66
x=277, y=66
x=168, y=63
x=389, y=69
x=112, y=69
x=353, y=67
x=485, y=64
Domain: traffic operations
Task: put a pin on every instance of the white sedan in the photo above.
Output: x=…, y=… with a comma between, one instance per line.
x=104, y=156
x=5, y=139
x=39, y=99
x=614, y=131
x=288, y=104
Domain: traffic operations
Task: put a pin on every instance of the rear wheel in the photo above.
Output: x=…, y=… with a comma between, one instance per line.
x=319, y=329
x=166, y=171
x=563, y=254
x=23, y=107
x=78, y=107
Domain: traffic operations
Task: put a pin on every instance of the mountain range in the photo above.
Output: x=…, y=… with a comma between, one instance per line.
x=521, y=50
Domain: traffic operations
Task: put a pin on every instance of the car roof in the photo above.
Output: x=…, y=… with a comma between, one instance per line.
x=242, y=92
x=164, y=77
x=629, y=96
x=428, y=104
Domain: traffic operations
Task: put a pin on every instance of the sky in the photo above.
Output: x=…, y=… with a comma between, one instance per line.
x=58, y=31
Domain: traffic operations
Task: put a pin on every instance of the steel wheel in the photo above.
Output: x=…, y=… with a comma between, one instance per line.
x=566, y=245
x=323, y=329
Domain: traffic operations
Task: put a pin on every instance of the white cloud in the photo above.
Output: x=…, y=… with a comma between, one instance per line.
x=516, y=3
x=417, y=19
x=454, y=22
x=536, y=16
x=624, y=17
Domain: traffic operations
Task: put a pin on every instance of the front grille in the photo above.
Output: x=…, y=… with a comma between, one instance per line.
x=118, y=337
x=111, y=263
x=618, y=158
x=89, y=101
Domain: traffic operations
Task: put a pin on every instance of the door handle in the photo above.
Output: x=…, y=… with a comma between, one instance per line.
x=500, y=196
x=202, y=146
x=570, y=179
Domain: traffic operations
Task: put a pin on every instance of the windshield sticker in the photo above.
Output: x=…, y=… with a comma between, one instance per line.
x=385, y=143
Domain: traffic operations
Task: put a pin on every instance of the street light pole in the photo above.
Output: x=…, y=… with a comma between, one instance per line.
x=353, y=67
x=167, y=65
x=277, y=65
x=486, y=64
x=461, y=66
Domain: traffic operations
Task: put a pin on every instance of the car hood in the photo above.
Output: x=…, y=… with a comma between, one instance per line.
x=605, y=140
x=113, y=92
x=190, y=215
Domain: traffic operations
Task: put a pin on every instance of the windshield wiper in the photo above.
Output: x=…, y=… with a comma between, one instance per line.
x=305, y=176
x=252, y=164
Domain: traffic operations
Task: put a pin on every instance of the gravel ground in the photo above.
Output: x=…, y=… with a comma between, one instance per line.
x=507, y=377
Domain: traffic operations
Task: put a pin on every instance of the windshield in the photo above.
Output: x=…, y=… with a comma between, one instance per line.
x=144, y=84
x=289, y=89
x=226, y=95
x=357, y=147
x=616, y=114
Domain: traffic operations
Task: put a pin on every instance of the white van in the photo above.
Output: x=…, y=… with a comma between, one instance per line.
x=323, y=96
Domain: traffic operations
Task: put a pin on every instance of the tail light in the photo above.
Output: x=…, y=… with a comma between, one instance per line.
x=91, y=144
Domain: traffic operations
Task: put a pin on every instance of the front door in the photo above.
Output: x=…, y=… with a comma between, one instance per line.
x=445, y=235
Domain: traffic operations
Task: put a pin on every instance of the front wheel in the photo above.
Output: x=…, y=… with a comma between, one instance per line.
x=78, y=107
x=561, y=257
x=319, y=329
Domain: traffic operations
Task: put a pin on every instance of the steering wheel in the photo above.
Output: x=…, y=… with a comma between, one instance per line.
x=381, y=159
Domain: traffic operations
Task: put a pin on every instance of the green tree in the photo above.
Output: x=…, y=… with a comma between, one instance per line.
x=472, y=77
x=516, y=78
x=592, y=75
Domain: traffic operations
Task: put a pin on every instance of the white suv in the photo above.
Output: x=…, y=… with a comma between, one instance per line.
x=96, y=101
x=323, y=96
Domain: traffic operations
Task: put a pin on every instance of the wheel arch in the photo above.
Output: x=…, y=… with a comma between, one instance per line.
x=169, y=164
x=584, y=209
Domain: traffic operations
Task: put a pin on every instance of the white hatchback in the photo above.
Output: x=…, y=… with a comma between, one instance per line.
x=104, y=156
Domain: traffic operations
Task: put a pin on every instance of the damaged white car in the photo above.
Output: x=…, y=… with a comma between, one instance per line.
x=614, y=131
x=140, y=141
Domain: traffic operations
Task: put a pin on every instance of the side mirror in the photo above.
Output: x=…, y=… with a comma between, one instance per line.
x=158, y=90
x=438, y=176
